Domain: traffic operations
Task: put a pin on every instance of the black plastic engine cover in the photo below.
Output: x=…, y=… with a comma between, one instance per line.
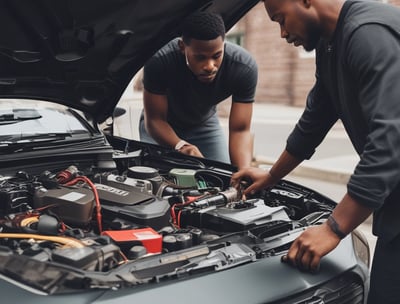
x=137, y=207
x=73, y=205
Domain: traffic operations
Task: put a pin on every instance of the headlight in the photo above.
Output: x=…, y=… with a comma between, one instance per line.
x=361, y=247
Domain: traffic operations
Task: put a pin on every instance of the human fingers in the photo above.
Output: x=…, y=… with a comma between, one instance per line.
x=252, y=189
x=298, y=259
x=191, y=150
x=295, y=253
x=309, y=250
x=237, y=178
x=301, y=259
x=304, y=258
x=314, y=264
x=290, y=257
x=258, y=183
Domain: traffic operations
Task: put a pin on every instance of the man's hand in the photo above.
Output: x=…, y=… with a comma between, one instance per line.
x=262, y=179
x=308, y=249
x=259, y=178
x=190, y=149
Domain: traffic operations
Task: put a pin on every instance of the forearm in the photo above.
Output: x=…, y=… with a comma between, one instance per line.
x=162, y=132
x=349, y=214
x=241, y=148
x=284, y=165
x=261, y=179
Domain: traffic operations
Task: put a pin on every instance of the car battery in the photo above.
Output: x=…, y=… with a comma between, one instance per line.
x=146, y=237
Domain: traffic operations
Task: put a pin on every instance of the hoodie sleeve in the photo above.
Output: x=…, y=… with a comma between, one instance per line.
x=373, y=57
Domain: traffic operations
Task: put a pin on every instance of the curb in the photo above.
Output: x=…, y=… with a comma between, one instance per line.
x=307, y=170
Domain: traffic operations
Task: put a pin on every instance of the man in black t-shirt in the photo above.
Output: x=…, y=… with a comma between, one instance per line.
x=183, y=83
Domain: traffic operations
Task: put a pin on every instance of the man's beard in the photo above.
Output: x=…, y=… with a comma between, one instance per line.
x=313, y=37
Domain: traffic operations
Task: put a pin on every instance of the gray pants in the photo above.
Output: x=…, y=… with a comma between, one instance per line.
x=208, y=137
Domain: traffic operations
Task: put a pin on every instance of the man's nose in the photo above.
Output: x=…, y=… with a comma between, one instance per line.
x=209, y=65
x=284, y=33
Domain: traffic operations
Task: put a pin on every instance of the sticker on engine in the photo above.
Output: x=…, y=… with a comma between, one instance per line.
x=145, y=234
x=72, y=196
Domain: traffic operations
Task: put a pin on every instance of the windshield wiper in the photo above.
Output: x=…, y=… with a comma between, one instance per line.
x=17, y=115
x=34, y=137
x=13, y=143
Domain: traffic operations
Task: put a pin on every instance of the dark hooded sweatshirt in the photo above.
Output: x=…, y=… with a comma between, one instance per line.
x=358, y=82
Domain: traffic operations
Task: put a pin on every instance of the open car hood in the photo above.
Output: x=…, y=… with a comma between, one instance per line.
x=83, y=54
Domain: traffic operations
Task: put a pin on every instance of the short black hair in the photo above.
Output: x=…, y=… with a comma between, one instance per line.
x=203, y=26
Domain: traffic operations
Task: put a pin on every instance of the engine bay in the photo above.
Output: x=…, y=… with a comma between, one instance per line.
x=91, y=219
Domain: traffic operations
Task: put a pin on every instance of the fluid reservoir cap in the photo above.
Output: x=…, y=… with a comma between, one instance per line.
x=141, y=172
x=136, y=252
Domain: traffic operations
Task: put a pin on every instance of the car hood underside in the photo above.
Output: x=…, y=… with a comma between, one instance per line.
x=84, y=53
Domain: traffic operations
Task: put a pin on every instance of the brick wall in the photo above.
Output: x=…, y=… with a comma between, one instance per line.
x=286, y=73
x=273, y=55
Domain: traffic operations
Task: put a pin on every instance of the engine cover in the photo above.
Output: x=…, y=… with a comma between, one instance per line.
x=73, y=205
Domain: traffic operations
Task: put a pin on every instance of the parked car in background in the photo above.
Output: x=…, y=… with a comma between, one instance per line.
x=89, y=217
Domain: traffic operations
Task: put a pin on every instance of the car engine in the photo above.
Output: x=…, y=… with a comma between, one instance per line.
x=97, y=220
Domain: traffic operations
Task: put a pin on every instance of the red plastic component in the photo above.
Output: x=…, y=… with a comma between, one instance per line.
x=148, y=237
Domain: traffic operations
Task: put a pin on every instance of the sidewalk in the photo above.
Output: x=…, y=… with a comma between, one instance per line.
x=333, y=161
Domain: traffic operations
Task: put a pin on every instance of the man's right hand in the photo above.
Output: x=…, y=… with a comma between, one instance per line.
x=259, y=179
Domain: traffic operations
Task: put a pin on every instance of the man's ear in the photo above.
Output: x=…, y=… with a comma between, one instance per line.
x=181, y=45
x=306, y=3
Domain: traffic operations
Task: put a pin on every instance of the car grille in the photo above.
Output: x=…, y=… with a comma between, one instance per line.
x=346, y=289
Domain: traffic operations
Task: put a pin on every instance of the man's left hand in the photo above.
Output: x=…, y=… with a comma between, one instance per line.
x=308, y=249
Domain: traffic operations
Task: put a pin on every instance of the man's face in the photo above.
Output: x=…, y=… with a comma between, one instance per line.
x=204, y=57
x=298, y=21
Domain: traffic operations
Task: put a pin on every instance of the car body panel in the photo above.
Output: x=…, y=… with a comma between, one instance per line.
x=232, y=274
x=265, y=281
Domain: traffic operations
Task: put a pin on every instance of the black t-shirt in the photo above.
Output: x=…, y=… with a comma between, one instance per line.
x=191, y=102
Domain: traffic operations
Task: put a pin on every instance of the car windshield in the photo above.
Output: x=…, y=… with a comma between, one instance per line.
x=36, y=121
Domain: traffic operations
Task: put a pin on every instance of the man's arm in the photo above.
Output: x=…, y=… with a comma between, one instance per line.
x=260, y=179
x=314, y=243
x=240, y=138
x=155, y=120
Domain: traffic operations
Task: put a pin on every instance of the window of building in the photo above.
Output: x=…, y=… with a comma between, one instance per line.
x=236, y=34
x=237, y=38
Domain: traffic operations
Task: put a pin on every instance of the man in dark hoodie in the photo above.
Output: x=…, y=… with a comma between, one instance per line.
x=357, y=47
